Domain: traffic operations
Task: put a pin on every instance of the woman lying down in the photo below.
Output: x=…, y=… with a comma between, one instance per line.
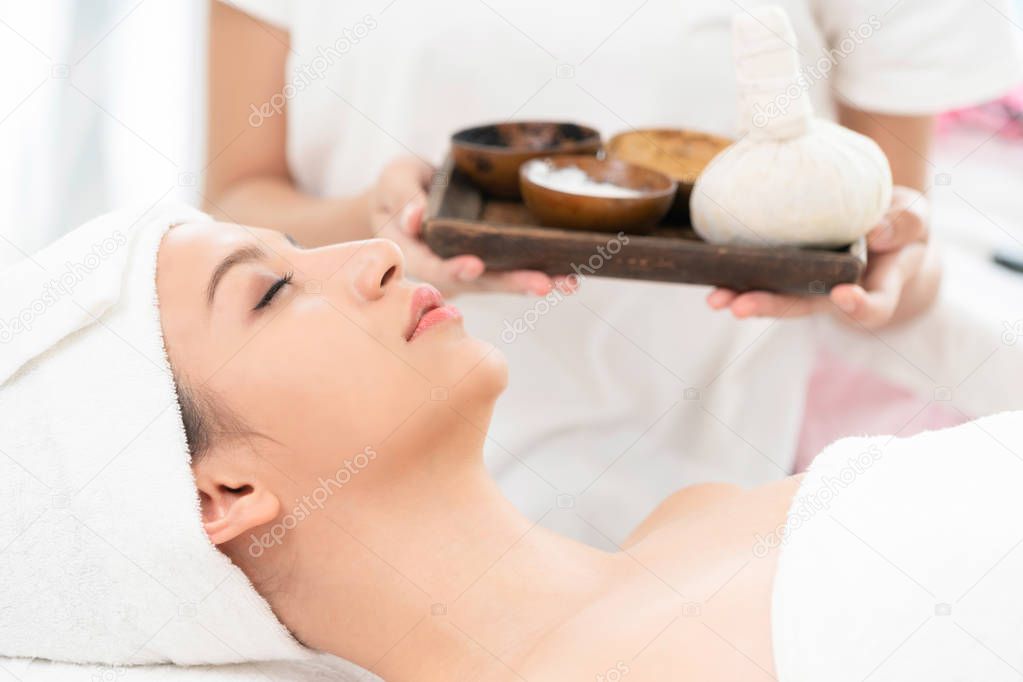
x=301, y=472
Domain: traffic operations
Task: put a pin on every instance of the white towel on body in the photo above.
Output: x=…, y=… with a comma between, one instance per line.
x=902, y=560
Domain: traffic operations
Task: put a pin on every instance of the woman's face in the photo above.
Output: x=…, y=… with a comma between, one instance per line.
x=321, y=353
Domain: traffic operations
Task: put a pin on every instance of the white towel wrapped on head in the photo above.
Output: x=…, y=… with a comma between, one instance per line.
x=103, y=557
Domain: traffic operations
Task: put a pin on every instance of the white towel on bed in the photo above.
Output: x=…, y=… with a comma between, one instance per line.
x=323, y=670
x=903, y=560
x=103, y=558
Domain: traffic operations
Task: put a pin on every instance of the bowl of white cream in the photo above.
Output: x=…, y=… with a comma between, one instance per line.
x=587, y=193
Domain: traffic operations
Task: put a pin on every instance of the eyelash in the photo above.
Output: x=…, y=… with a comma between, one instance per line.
x=268, y=297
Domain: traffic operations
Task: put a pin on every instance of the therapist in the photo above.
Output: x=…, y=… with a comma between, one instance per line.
x=326, y=116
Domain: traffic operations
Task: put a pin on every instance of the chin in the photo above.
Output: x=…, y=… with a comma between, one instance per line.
x=483, y=373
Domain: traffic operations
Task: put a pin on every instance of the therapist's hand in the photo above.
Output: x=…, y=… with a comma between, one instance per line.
x=397, y=203
x=901, y=278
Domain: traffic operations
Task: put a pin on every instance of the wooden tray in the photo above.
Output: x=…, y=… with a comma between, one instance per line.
x=460, y=219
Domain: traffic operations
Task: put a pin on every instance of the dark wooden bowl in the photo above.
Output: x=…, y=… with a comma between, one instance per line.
x=492, y=154
x=555, y=208
x=678, y=153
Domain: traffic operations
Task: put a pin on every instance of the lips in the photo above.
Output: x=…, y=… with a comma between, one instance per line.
x=428, y=311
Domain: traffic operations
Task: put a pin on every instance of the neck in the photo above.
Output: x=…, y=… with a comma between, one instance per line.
x=498, y=585
x=448, y=582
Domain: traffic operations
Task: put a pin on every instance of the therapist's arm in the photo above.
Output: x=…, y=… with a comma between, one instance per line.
x=247, y=179
x=903, y=271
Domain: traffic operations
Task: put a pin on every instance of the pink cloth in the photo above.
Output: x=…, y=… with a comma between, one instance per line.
x=843, y=400
x=1003, y=116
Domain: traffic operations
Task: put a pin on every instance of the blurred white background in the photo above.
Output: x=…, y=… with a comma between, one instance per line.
x=102, y=106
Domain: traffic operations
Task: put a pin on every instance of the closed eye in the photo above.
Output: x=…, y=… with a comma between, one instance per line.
x=268, y=297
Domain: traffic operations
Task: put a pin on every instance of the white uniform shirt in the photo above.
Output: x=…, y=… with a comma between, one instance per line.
x=627, y=391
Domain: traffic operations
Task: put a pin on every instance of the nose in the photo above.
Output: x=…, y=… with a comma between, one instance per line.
x=376, y=264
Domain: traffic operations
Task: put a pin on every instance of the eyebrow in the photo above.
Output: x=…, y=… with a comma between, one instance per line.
x=245, y=254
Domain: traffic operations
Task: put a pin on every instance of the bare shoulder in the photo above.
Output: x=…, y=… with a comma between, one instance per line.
x=690, y=584
x=691, y=501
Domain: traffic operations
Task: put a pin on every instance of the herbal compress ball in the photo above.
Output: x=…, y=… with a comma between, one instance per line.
x=791, y=179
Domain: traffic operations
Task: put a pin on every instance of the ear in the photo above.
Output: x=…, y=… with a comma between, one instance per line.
x=232, y=503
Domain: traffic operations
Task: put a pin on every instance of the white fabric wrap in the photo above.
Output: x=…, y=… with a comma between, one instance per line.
x=767, y=69
x=103, y=558
x=902, y=560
